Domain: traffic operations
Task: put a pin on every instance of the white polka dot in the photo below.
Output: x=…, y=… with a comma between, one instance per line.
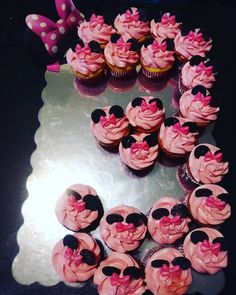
x=47, y=47
x=43, y=25
x=29, y=25
x=35, y=17
x=63, y=7
x=54, y=49
x=60, y=21
x=43, y=34
x=72, y=8
x=73, y=19
x=62, y=30
x=53, y=36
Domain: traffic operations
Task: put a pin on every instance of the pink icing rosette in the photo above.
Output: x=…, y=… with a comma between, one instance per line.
x=131, y=25
x=209, y=204
x=168, y=220
x=123, y=228
x=167, y=27
x=206, y=164
x=115, y=275
x=95, y=29
x=145, y=113
x=75, y=257
x=168, y=272
x=206, y=248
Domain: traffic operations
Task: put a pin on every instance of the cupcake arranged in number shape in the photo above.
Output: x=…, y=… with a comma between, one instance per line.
x=164, y=26
x=209, y=204
x=119, y=274
x=168, y=220
x=168, y=272
x=157, y=58
x=76, y=257
x=79, y=208
x=133, y=23
x=123, y=228
x=95, y=29
x=145, y=113
x=196, y=72
x=87, y=62
x=121, y=56
x=109, y=125
x=207, y=250
x=199, y=106
x=139, y=152
x=177, y=137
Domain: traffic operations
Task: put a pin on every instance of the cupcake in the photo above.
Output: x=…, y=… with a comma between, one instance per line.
x=109, y=125
x=119, y=274
x=145, y=114
x=177, y=137
x=87, y=62
x=196, y=72
x=76, y=257
x=205, y=165
x=190, y=42
x=123, y=228
x=79, y=208
x=133, y=23
x=157, y=58
x=168, y=220
x=95, y=29
x=168, y=272
x=206, y=248
x=164, y=26
x=198, y=105
x=121, y=56
x=209, y=204
x=139, y=152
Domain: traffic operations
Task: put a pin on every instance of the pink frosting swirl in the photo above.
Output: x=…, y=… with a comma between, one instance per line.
x=166, y=28
x=119, y=54
x=197, y=108
x=167, y=279
x=146, y=117
x=157, y=56
x=69, y=264
x=95, y=29
x=205, y=256
x=167, y=229
x=121, y=284
x=197, y=75
x=112, y=131
x=139, y=156
x=209, y=210
x=84, y=60
x=122, y=236
x=207, y=170
x=192, y=44
x=129, y=25
x=71, y=212
x=177, y=139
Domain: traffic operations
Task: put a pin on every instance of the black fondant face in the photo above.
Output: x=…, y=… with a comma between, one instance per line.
x=137, y=219
x=199, y=88
x=192, y=127
x=170, y=44
x=88, y=257
x=71, y=242
x=94, y=46
x=117, y=111
x=97, y=114
x=115, y=37
x=170, y=121
x=196, y=60
x=151, y=139
x=134, y=44
x=203, y=192
x=127, y=141
x=200, y=151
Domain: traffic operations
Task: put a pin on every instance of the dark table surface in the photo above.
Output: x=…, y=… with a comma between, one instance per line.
x=22, y=81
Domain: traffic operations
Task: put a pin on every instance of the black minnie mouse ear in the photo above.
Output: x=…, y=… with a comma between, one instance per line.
x=71, y=192
x=137, y=101
x=224, y=244
x=142, y=15
x=117, y=111
x=134, y=44
x=196, y=60
x=200, y=151
x=205, y=35
x=115, y=37
x=170, y=121
x=198, y=236
x=183, y=262
x=96, y=115
x=71, y=242
x=170, y=44
x=95, y=46
x=203, y=192
x=199, y=88
x=148, y=41
x=185, y=30
x=127, y=141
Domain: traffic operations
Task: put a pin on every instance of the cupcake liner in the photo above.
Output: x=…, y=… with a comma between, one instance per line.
x=181, y=86
x=185, y=179
x=149, y=85
x=152, y=75
x=122, y=74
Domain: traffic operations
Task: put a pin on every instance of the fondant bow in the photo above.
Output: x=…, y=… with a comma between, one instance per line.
x=131, y=16
x=82, y=51
x=120, y=227
x=139, y=146
x=73, y=256
x=156, y=46
x=210, y=157
x=166, y=220
x=178, y=128
x=168, y=19
x=205, y=100
x=150, y=107
x=123, y=45
x=79, y=206
x=105, y=121
x=215, y=203
x=98, y=19
x=167, y=271
x=192, y=36
x=206, y=246
x=51, y=32
x=116, y=280
x=202, y=68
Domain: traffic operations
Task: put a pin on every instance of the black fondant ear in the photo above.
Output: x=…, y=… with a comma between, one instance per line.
x=134, y=272
x=205, y=35
x=170, y=44
x=112, y=218
x=148, y=41
x=71, y=192
x=185, y=30
x=199, y=88
x=224, y=245
x=196, y=60
x=170, y=121
x=214, y=102
x=201, y=150
x=135, y=218
x=198, y=236
x=117, y=111
x=151, y=139
x=158, y=102
x=109, y=270
x=96, y=115
x=134, y=44
x=182, y=262
x=180, y=209
x=94, y=46
x=127, y=141
x=115, y=37
x=71, y=242
x=142, y=15
x=91, y=202
x=203, y=192
x=159, y=263
x=80, y=42
x=88, y=257
x=137, y=101
x=192, y=127
x=159, y=213
x=224, y=157
x=224, y=197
